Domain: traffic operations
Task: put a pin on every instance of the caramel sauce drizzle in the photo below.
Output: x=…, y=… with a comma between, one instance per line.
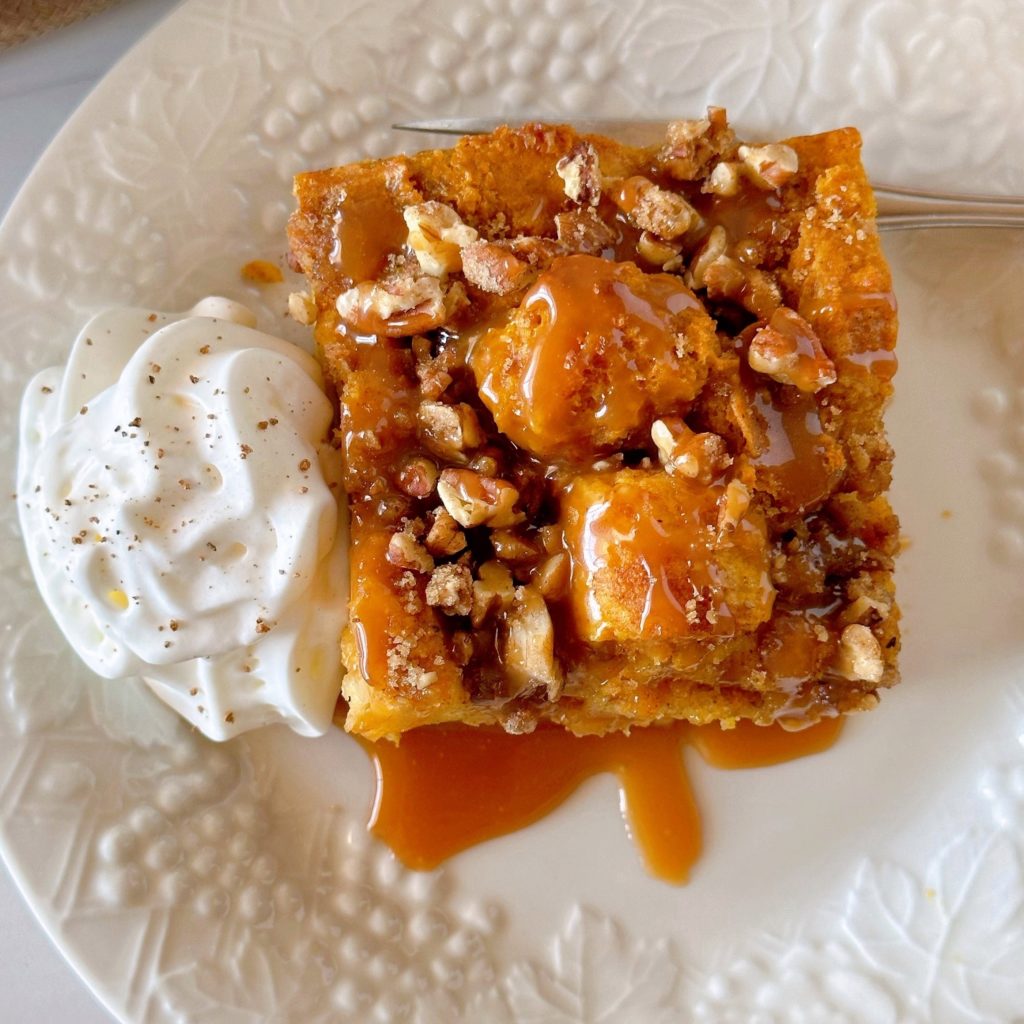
x=446, y=788
x=796, y=453
x=368, y=227
x=601, y=329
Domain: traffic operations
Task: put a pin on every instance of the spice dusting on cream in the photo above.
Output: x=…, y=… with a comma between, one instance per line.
x=177, y=495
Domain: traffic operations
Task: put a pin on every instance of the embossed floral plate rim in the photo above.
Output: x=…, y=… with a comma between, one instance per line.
x=192, y=882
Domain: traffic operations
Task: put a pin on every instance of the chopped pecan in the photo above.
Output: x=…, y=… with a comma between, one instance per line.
x=552, y=576
x=510, y=546
x=746, y=418
x=584, y=231
x=527, y=646
x=866, y=610
x=444, y=536
x=405, y=551
x=402, y=302
x=655, y=209
x=493, y=591
x=416, y=477
x=700, y=457
x=868, y=604
x=450, y=589
x=724, y=179
x=535, y=249
x=771, y=166
x=493, y=268
x=302, y=308
x=728, y=279
x=455, y=299
x=449, y=431
x=436, y=235
x=711, y=250
x=485, y=463
x=691, y=145
x=659, y=253
x=472, y=499
x=580, y=172
x=788, y=350
x=733, y=505
x=860, y=655
x=434, y=372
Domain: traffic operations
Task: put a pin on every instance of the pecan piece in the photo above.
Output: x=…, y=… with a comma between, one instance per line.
x=405, y=551
x=691, y=145
x=417, y=476
x=444, y=536
x=655, y=209
x=510, y=546
x=493, y=591
x=711, y=250
x=788, y=350
x=449, y=430
x=434, y=372
x=493, y=268
x=658, y=253
x=535, y=249
x=728, y=279
x=860, y=655
x=436, y=235
x=527, y=645
x=733, y=505
x=552, y=576
x=770, y=166
x=724, y=179
x=472, y=499
x=401, y=303
x=581, y=174
x=302, y=308
x=700, y=457
x=584, y=231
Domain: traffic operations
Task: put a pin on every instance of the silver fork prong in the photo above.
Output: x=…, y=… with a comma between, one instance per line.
x=633, y=131
x=452, y=126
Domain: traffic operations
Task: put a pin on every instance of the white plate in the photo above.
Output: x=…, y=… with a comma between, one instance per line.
x=883, y=881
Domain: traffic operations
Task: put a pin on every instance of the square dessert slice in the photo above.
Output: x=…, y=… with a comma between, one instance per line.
x=612, y=427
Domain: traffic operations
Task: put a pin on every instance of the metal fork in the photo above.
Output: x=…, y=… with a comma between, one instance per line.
x=898, y=208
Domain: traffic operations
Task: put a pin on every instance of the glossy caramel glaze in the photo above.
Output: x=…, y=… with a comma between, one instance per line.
x=368, y=227
x=446, y=788
x=595, y=350
x=648, y=560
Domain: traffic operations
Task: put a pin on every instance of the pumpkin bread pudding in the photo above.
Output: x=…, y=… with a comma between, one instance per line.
x=612, y=428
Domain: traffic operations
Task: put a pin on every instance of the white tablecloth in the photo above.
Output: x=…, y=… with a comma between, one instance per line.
x=41, y=83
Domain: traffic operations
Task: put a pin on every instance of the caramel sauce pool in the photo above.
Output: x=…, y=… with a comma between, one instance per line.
x=446, y=788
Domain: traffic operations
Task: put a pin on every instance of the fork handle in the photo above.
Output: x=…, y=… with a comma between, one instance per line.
x=905, y=209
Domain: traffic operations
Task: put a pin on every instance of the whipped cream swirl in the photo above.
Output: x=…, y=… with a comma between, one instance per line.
x=178, y=496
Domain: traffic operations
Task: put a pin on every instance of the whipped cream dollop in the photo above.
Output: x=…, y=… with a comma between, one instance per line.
x=178, y=496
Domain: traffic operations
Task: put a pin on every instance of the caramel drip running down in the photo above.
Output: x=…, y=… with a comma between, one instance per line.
x=446, y=788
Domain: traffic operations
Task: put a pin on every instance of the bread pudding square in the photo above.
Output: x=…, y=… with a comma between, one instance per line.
x=612, y=426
